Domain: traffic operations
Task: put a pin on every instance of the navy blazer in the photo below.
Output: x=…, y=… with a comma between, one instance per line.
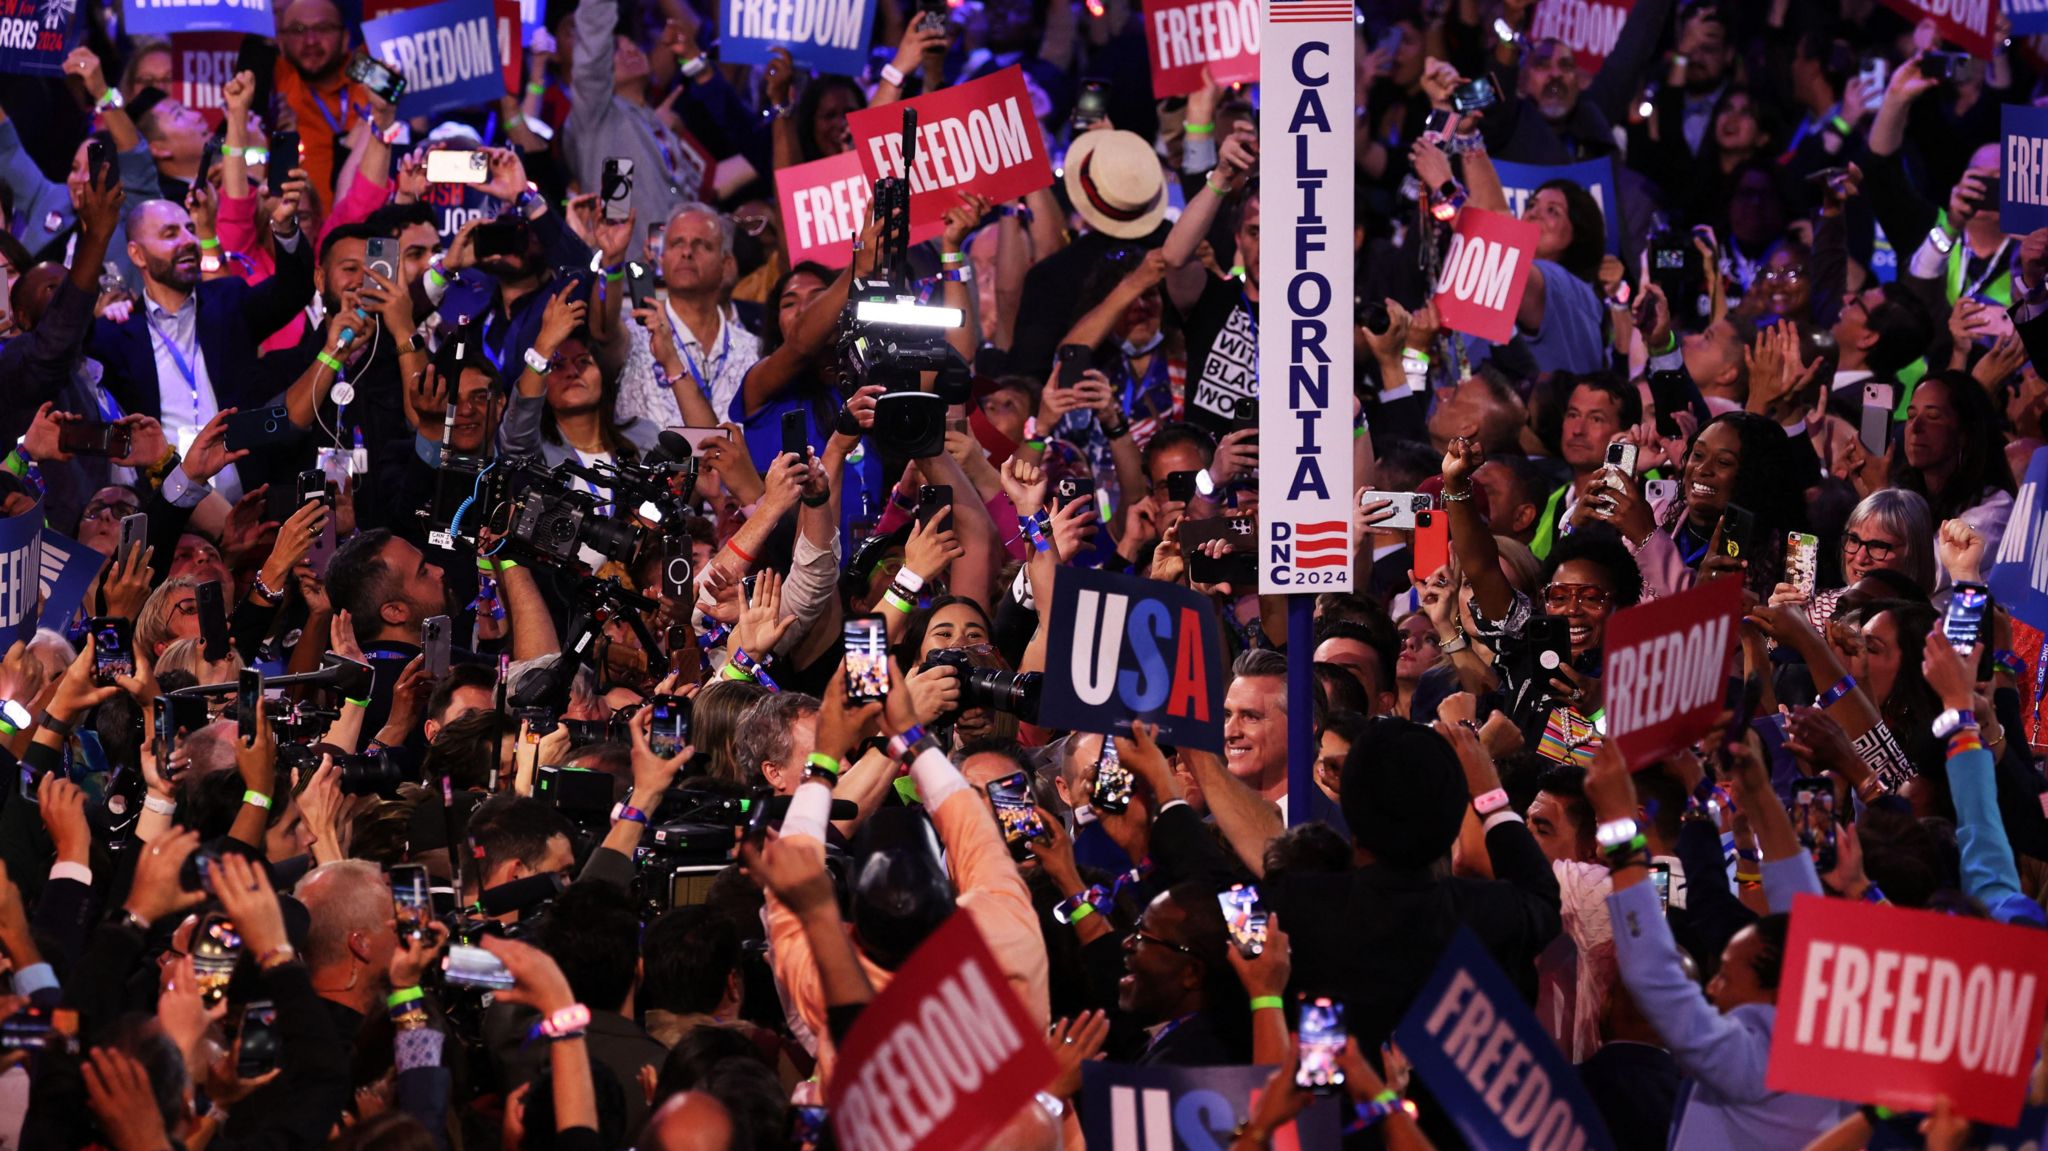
x=235, y=317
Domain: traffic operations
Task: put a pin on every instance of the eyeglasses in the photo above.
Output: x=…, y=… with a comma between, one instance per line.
x=578, y=364
x=474, y=401
x=98, y=508
x=1879, y=550
x=301, y=31
x=1788, y=274
x=1562, y=596
x=752, y=225
x=1147, y=937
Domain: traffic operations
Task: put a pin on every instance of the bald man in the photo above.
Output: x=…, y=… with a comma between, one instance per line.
x=689, y=1121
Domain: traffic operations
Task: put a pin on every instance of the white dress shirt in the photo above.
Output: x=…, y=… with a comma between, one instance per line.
x=184, y=390
x=643, y=391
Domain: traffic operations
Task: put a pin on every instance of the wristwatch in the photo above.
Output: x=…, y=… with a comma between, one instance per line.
x=1953, y=720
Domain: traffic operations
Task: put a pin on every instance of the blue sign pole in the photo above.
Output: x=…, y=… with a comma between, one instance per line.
x=1301, y=706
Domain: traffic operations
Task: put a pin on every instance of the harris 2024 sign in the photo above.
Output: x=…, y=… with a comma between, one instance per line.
x=1129, y=649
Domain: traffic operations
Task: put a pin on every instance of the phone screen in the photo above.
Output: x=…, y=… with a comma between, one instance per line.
x=1964, y=623
x=1813, y=819
x=1015, y=811
x=258, y=1053
x=215, y=947
x=113, y=652
x=412, y=900
x=466, y=966
x=669, y=730
x=1319, y=1043
x=248, y=702
x=1245, y=918
x=1802, y=561
x=867, y=658
x=1112, y=791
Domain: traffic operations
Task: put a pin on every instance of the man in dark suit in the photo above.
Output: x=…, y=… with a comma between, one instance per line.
x=1180, y=985
x=187, y=348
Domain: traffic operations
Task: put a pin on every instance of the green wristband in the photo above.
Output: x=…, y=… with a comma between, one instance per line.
x=403, y=996
x=1269, y=1002
x=332, y=363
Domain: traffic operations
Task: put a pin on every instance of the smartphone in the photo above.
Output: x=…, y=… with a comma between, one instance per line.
x=1826, y=176
x=1676, y=271
x=1474, y=95
x=380, y=78
x=796, y=439
x=1660, y=878
x=434, y=634
x=215, y=948
x=641, y=283
x=93, y=438
x=286, y=153
x=1802, y=561
x=466, y=966
x=1113, y=781
x=501, y=236
x=1964, y=623
x=931, y=499
x=1621, y=456
x=1671, y=391
x=213, y=620
x=1813, y=819
x=931, y=13
x=1745, y=693
x=1180, y=487
x=1431, y=542
x=1437, y=122
x=1245, y=414
x=98, y=158
x=1245, y=918
x=257, y=1054
x=248, y=702
x=1074, y=360
x=380, y=255
x=1319, y=1043
x=1941, y=65
x=1406, y=506
x=40, y=1029
x=867, y=658
x=1547, y=642
x=1067, y=489
x=113, y=648
x=259, y=428
x=615, y=188
x=1236, y=567
x=177, y=716
x=1016, y=811
x=412, y=900
x=1660, y=491
x=1091, y=105
x=1738, y=525
x=1876, y=429
x=134, y=532
x=458, y=166
x=807, y=1128
x=669, y=731
x=1876, y=74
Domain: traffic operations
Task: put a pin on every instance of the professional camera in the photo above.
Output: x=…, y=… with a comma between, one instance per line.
x=991, y=687
x=550, y=523
x=370, y=773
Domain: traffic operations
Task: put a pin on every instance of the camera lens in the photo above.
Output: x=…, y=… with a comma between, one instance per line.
x=369, y=775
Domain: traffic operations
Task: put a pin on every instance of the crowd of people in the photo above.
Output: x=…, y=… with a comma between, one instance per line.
x=543, y=678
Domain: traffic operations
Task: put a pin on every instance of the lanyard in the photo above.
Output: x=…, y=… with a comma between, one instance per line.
x=1165, y=1029
x=1139, y=389
x=184, y=365
x=495, y=355
x=1250, y=313
x=320, y=102
x=721, y=346
x=1692, y=559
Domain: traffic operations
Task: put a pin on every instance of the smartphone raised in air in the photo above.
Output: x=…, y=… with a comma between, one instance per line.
x=466, y=966
x=1964, y=623
x=1244, y=917
x=1876, y=428
x=1802, y=561
x=412, y=900
x=434, y=642
x=931, y=499
x=1016, y=811
x=615, y=188
x=248, y=702
x=867, y=658
x=286, y=153
x=668, y=730
x=380, y=78
x=95, y=438
x=456, y=166
x=213, y=620
x=113, y=648
x=1660, y=878
x=1113, y=781
x=256, y=1054
x=1319, y=1042
x=215, y=948
x=1813, y=819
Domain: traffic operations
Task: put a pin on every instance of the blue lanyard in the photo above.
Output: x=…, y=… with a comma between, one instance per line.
x=1140, y=388
x=320, y=102
x=721, y=345
x=1166, y=1029
x=495, y=355
x=184, y=365
x=1250, y=313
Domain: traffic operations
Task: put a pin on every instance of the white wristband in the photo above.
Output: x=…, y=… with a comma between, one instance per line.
x=809, y=810
x=891, y=74
x=911, y=581
x=160, y=805
x=536, y=362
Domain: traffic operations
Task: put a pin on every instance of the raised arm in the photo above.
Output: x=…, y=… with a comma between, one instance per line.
x=1185, y=276
x=1478, y=556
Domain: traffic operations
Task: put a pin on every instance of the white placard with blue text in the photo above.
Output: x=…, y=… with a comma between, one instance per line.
x=2023, y=205
x=165, y=17
x=828, y=36
x=447, y=52
x=1305, y=308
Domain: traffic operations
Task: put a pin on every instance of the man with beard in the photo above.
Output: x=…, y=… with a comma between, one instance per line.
x=507, y=290
x=313, y=50
x=1556, y=116
x=387, y=587
x=182, y=353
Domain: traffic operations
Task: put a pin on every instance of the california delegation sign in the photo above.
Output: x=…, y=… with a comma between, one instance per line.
x=1306, y=176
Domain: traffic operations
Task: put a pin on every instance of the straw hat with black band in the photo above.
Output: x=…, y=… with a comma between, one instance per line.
x=1114, y=181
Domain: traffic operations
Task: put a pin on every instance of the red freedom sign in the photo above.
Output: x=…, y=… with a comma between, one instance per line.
x=980, y=137
x=1485, y=273
x=1883, y=1005
x=1964, y=23
x=1664, y=680
x=824, y=204
x=1588, y=27
x=202, y=63
x=1184, y=36
x=945, y=1053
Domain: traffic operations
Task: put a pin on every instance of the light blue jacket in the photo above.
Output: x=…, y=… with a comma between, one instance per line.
x=39, y=202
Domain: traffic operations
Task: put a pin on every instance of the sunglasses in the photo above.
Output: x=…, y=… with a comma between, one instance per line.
x=1565, y=595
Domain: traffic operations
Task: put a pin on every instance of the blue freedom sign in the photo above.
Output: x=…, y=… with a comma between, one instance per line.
x=1489, y=1062
x=2023, y=164
x=1129, y=1108
x=829, y=36
x=447, y=52
x=2019, y=572
x=21, y=565
x=65, y=576
x=165, y=17
x=36, y=35
x=1520, y=182
x=2029, y=17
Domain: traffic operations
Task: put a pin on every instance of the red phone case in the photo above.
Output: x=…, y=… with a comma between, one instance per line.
x=1432, y=544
